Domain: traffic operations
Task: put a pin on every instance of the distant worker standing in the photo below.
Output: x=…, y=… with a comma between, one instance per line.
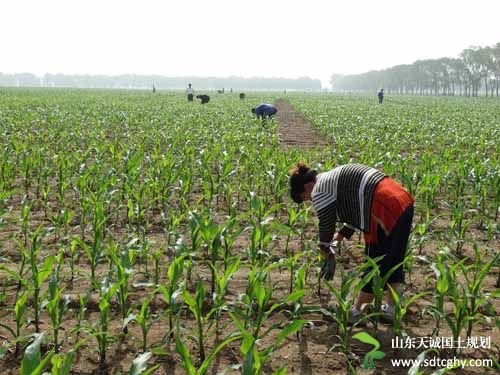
x=265, y=110
x=380, y=96
x=190, y=93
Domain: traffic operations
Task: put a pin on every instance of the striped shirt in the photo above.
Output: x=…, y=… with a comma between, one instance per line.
x=345, y=194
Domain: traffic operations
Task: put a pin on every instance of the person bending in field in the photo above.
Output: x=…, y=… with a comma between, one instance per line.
x=362, y=198
x=380, y=96
x=204, y=98
x=264, y=111
x=190, y=93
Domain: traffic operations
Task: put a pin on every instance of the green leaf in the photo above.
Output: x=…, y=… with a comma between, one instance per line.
x=67, y=363
x=248, y=363
x=414, y=370
x=208, y=361
x=260, y=293
x=32, y=356
x=367, y=339
x=289, y=330
x=295, y=296
x=187, y=361
x=139, y=364
x=281, y=371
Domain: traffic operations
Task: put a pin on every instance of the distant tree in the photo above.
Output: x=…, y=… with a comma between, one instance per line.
x=477, y=69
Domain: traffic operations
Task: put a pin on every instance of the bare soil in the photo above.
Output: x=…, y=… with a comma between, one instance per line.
x=294, y=129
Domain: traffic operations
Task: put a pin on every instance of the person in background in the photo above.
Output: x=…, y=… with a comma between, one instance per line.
x=203, y=98
x=380, y=96
x=190, y=93
x=361, y=198
x=264, y=111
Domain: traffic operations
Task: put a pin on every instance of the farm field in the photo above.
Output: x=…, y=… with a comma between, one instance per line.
x=134, y=223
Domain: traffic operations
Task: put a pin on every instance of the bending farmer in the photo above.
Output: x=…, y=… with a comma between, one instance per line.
x=362, y=198
x=265, y=110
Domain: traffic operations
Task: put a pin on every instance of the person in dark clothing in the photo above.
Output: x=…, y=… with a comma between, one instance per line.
x=204, y=98
x=380, y=96
x=362, y=198
x=242, y=95
x=190, y=93
x=265, y=111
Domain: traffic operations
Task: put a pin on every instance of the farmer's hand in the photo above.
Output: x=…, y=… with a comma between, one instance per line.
x=338, y=237
x=328, y=269
x=324, y=250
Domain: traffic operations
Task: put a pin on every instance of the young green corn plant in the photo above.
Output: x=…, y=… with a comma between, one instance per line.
x=255, y=308
x=222, y=285
x=401, y=306
x=38, y=275
x=33, y=363
x=19, y=274
x=260, y=217
x=73, y=251
x=294, y=215
x=62, y=363
x=123, y=263
x=195, y=242
x=27, y=163
x=474, y=276
x=156, y=258
x=95, y=251
x=81, y=188
x=100, y=330
x=82, y=300
x=173, y=290
x=495, y=187
x=207, y=178
x=20, y=308
x=210, y=234
x=444, y=286
x=195, y=305
x=379, y=285
x=171, y=221
x=422, y=229
x=255, y=359
x=291, y=263
x=187, y=358
x=350, y=287
x=63, y=181
x=25, y=220
x=4, y=196
x=459, y=225
x=229, y=235
x=57, y=308
x=458, y=319
x=259, y=240
x=145, y=320
x=46, y=194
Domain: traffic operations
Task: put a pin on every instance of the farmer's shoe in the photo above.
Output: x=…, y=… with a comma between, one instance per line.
x=387, y=313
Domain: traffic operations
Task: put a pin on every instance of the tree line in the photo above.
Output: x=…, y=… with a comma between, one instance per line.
x=475, y=71
x=132, y=81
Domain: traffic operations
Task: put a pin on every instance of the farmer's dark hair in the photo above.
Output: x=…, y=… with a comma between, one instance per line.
x=253, y=110
x=300, y=175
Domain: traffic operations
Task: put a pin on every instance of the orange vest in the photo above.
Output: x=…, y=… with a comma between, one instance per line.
x=390, y=200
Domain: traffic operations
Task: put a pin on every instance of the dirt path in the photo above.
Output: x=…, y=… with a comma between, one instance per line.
x=294, y=130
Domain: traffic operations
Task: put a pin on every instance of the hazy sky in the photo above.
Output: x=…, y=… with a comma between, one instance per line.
x=230, y=37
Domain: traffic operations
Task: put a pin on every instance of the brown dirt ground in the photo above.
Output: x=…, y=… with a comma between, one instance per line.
x=294, y=130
